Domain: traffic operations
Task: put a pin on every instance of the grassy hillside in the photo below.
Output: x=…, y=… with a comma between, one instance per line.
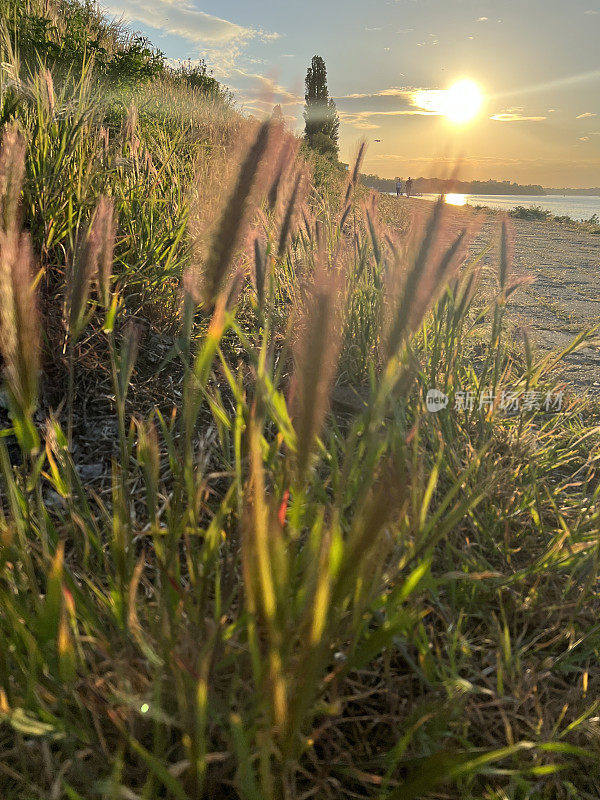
x=238, y=558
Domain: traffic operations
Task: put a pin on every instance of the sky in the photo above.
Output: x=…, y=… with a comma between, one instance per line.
x=537, y=63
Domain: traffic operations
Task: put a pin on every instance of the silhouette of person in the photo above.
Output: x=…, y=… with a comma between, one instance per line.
x=398, y=187
x=409, y=185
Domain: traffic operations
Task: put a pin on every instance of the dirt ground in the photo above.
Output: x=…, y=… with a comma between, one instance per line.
x=564, y=298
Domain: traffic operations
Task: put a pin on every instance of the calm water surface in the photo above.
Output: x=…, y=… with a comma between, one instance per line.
x=576, y=207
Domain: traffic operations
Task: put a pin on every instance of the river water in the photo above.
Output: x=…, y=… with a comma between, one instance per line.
x=579, y=208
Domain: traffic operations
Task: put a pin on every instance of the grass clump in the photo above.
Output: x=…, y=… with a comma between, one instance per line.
x=264, y=591
x=530, y=213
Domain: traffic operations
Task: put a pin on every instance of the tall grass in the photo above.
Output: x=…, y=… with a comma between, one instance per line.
x=268, y=594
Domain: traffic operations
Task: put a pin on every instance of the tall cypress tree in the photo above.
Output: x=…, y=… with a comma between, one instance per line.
x=320, y=114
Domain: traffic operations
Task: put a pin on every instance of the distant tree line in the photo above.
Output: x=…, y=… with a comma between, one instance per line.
x=440, y=186
x=592, y=192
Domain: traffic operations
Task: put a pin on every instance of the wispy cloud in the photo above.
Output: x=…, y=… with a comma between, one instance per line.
x=363, y=120
x=257, y=94
x=585, y=115
x=394, y=91
x=512, y=116
x=256, y=85
x=487, y=161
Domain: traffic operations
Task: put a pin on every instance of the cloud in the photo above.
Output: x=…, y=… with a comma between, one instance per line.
x=395, y=101
x=222, y=41
x=511, y=116
x=362, y=110
x=362, y=124
x=584, y=138
x=257, y=94
x=362, y=119
x=483, y=19
x=255, y=85
x=488, y=161
x=394, y=91
x=590, y=12
x=585, y=115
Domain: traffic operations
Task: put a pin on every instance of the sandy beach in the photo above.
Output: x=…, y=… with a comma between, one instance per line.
x=564, y=298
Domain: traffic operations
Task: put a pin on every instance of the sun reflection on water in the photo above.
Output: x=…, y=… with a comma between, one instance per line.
x=456, y=199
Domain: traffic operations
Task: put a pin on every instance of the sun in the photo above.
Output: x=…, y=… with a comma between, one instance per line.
x=461, y=102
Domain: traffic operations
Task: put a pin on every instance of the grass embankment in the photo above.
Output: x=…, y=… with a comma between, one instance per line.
x=267, y=596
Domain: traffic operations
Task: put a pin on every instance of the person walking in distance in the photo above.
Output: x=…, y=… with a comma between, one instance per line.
x=398, y=187
x=409, y=185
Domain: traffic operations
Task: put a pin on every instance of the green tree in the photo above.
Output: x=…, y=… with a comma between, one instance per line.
x=320, y=114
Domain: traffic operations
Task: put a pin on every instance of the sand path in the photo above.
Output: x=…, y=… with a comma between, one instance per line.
x=564, y=299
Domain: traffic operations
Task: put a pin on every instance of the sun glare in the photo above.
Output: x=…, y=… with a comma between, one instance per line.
x=460, y=103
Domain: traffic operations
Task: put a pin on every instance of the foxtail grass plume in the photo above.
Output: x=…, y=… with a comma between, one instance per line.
x=12, y=171
x=260, y=271
x=92, y=260
x=104, y=225
x=231, y=227
x=352, y=181
x=286, y=157
x=49, y=91
x=19, y=330
x=429, y=268
x=19, y=325
x=290, y=209
x=317, y=352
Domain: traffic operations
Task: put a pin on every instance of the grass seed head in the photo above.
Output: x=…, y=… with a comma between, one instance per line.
x=317, y=352
x=231, y=228
x=19, y=327
x=12, y=171
x=104, y=226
